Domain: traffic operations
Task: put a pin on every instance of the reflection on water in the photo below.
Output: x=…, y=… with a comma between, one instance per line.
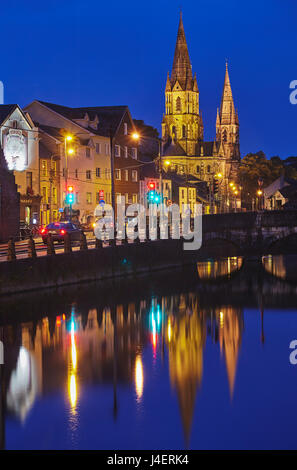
x=280, y=266
x=213, y=269
x=133, y=349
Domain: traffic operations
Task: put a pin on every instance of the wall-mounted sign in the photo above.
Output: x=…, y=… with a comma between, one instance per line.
x=15, y=150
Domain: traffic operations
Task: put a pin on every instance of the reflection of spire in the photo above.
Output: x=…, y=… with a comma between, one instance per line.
x=185, y=342
x=230, y=331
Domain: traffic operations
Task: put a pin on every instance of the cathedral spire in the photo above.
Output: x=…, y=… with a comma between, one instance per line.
x=227, y=109
x=181, y=69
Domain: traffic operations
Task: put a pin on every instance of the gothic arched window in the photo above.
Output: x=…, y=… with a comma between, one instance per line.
x=184, y=132
x=208, y=168
x=178, y=104
x=173, y=132
x=224, y=135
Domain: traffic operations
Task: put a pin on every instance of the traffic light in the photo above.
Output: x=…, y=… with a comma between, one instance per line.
x=70, y=195
x=215, y=186
x=151, y=185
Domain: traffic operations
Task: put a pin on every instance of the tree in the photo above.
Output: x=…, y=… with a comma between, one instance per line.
x=255, y=166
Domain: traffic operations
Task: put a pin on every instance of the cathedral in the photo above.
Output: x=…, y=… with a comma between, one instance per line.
x=184, y=148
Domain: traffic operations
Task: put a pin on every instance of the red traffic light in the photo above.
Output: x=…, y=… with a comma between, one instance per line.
x=151, y=185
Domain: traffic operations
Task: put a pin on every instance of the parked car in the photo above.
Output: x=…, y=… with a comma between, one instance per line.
x=58, y=231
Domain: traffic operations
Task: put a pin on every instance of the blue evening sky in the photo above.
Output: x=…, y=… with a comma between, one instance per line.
x=94, y=52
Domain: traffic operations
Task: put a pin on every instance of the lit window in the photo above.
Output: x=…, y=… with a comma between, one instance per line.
x=126, y=175
x=126, y=152
x=117, y=150
x=117, y=174
x=134, y=176
x=89, y=198
x=43, y=168
x=134, y=153
x=106, y=149
x=125, y=128
x=88, y=174
x=134, y=198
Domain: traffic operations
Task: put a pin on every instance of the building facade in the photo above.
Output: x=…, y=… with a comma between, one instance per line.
x=184, y=147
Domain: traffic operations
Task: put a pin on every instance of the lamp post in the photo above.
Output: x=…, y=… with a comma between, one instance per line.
x=137, y=136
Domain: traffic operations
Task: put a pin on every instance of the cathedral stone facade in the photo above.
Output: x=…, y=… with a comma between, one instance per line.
x=184, y=147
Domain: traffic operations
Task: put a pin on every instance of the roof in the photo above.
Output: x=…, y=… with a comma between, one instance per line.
x=52, y=131
x=173, y=149
x=209, y=148
x=109, y=116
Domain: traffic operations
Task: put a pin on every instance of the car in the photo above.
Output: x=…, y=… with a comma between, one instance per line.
x=58, y=230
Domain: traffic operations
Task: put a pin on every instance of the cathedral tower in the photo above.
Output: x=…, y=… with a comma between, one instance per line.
x=227, y=124
x=182, y=122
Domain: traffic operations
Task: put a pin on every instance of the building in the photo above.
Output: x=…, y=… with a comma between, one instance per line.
x=9, y=203
x=19, y=140
x=184, y=147
x=85, y=161
x=281, y=194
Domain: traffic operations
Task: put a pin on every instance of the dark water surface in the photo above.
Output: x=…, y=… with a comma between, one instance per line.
x=193, y=359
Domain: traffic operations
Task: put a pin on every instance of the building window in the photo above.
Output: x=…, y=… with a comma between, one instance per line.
x=43, y=192
x=134, y=153
x=29, y=180
x=134, y=198
x=127, y=198
x=118, y=198
x=197, y=169
x=225, y=136
x=76, y=174
x=117, y=174
x=88, y=152
x=88, y=174
x=117, y=150
x=89, y=198
x=106, y=149
x=98, y=148
x=125, y=128
x=126, y=152
x=54, y=195
x=208, y=168
x=126, y=175
x=134, y=176
x=107, y=174
x=178, y=104
x=98, y=172
x=43, y=168
x=184, y=131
